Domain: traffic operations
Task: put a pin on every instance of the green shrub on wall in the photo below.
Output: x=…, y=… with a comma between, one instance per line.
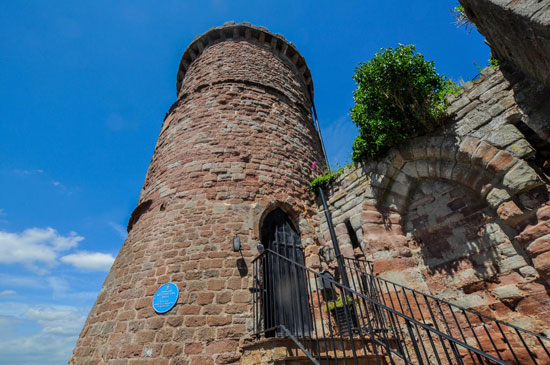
x=324, y=180
x=399, y=95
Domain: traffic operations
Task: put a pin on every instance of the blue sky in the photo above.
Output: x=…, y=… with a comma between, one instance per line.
x=84, y=89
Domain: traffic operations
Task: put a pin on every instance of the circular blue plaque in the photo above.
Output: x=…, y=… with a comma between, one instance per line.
x=165, y=298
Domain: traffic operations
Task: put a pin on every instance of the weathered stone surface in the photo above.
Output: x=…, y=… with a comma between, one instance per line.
x=232, y=148
x=438, y=214
x=504, y=136
x=538, y=246
x=501, y=163
x=510, y=213
x=497, y=196
x=517, y=32
x=521, y=149
x=542, y=264
x=507, y=292
x=511, y=263
x=521, y=177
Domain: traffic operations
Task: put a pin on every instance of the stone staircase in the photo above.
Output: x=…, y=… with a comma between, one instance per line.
x=285, y=351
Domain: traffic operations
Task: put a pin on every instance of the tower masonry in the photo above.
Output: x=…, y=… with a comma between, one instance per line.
x=237, y=145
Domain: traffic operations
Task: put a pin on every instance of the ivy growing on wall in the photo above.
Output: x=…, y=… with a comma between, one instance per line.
x=399, y=95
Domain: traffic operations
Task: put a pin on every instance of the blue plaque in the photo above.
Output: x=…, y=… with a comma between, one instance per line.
x=165, y=298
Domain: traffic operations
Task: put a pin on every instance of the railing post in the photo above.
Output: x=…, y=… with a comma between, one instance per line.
x=339, y=257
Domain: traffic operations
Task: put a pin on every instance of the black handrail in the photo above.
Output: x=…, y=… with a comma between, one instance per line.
x=522, y=345
x=361, y=323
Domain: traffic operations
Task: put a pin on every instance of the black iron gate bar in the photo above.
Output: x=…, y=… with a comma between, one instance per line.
x=373, y=311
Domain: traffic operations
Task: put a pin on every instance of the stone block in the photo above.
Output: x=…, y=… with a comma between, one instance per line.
x=521, y=177
x=501, y=163
x=529, y=272
x=313, y=262
x=467, y=149
x=409, y=169
x=448, y=149
x=521, y=149
x=172, y=350
x=475, y=118
x=511, y=263
x=194, y=348
x=496, y=110
x=504, y=136
x=507, y=249
x=458, y=104
x=533, y=232
x=393, y=264
x=468, y=301
x=507, y=293
x=538, y=246
x=446, y=169
x=483, y=154
x=509, y=212
x=542, y=264
x=433, y=147
x=218, y=347
x=543, y=213
x=418, y=148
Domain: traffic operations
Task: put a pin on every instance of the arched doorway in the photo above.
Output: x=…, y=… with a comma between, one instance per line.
x=286, y=299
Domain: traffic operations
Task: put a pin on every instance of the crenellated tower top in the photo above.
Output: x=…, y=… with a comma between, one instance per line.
x=230, y=31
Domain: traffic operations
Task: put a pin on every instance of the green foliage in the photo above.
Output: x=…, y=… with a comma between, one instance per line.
x=399, y=95
x=338, y=303
x=452, y=88
x=325, y=180
x=494, y=62
x=461, y=19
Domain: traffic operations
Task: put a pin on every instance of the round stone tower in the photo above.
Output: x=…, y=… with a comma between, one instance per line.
x=238, y=143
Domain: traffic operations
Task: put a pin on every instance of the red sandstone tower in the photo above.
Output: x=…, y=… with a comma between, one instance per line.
x=236, y=147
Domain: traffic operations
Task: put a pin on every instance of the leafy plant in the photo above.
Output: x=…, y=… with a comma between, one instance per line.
x=338, y=303
x=461, y=19
x=494, y=62
x=399, y=95
x=325, y=180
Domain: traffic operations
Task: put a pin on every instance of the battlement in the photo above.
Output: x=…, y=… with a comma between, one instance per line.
x=282, y=48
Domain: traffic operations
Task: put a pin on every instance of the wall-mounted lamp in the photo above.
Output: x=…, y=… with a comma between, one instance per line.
x=260, y=248
x=236, y=244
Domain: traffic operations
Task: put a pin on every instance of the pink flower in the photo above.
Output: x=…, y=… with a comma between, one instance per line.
x=314, y=165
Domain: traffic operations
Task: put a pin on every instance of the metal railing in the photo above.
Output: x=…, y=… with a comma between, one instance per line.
x=368, y=323
x=508, y=343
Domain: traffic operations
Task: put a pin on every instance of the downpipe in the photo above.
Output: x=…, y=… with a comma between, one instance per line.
x=338, y=254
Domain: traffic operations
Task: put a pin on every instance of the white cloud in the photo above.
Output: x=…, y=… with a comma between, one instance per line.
x=6, y=293
x=29, y=172
x=119, y=229
x=20, y=281
x=59, y=286
x=40, y=334
x=35, y=245
x=40, y=348
x=94, y=261
x=44, y=175
x=60, y=320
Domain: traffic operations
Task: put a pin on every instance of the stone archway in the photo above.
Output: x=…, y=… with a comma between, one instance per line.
x=466, y=249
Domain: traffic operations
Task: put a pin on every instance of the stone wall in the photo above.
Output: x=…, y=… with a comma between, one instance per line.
x=463, y=213
x=518, y=32
x=237, y=144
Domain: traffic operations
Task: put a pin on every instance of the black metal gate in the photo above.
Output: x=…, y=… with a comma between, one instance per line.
x=286, y=300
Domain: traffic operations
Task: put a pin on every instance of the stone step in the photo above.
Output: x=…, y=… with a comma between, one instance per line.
x=285, y=351
x=361, y=360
